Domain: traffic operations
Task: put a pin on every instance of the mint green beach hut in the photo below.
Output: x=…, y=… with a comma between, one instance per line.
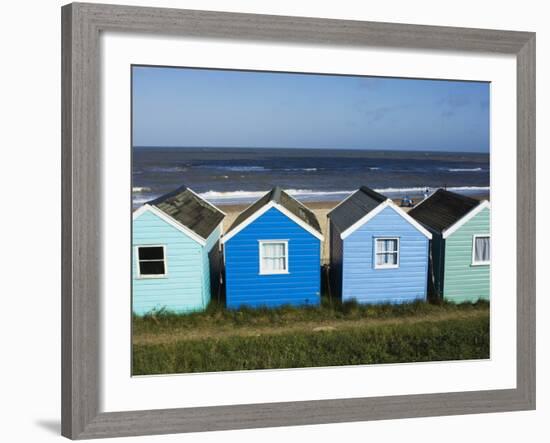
x=176, y=255
x=460, y=250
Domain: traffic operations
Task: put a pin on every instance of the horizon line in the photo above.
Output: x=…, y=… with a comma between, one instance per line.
x=315, y=149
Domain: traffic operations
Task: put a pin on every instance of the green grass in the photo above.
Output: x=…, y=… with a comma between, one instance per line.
x=392, y=343
x=289, y=337
x=217, y=315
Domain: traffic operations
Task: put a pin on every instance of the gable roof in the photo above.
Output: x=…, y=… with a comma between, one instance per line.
x=190, y=210
x=355, y=207
x=363, y=205
x=286, y=204
x=443, y=209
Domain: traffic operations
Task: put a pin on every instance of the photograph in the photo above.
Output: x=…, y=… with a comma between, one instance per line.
x=285, y=220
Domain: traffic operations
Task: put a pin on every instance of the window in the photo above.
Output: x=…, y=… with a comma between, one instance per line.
x=273, y=257
x=151, y=261
x=386, y=253
x=481, y=254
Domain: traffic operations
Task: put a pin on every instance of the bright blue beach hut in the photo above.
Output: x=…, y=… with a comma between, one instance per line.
x=378, y=254
x=176, y=258
x=272, y=254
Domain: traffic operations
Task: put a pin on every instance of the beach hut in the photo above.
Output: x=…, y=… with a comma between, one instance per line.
x=176, y=258
x=460, y=248
x=378, y=254
x=272, y=254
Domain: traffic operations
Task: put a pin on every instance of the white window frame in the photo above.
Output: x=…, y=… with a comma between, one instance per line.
x=376, y=253
x=260, y=249
x=165, y=260
x=480, y=263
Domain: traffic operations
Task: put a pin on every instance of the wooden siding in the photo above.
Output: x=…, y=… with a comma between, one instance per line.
x=336, y=256
x=244, y=284
x=464, y=282
x=183, y=288
x=213, y=239
x=407, y=283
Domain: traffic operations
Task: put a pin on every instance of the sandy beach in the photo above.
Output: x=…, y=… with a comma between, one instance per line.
x=320, y=209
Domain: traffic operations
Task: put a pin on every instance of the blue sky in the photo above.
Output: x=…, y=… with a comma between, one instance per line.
x=200, y=107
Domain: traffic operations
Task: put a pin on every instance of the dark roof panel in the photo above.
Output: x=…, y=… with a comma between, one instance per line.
x=282, y=198
x=442, y=209
x=355, y=207
x=250, y=210
x=186, y=207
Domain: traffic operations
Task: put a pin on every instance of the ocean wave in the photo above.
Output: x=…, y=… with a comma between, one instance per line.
x=310, y=194
x=244, y=168
x=136, y=201
x=246, y=195
x=140, y=189
x=211, y=195
x=468, y=188
x=242, y=196
x=301, y=169
x=464, y=189
x=168, y=169
x=239, y=168
x=465, y=169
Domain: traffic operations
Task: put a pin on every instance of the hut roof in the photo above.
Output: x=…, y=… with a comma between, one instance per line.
x=280, y=197
x=442, y=209
x=192, y=211
x=355, y=207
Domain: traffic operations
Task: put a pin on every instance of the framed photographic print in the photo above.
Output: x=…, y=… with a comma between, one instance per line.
x=274, y=221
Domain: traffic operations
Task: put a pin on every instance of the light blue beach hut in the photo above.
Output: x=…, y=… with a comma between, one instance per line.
x=176, y=258
x=378, y=254
x=272, y=254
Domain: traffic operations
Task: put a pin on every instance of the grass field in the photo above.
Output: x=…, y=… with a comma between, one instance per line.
x=329, y=335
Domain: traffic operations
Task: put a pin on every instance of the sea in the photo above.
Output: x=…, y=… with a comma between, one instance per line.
x=242, y=175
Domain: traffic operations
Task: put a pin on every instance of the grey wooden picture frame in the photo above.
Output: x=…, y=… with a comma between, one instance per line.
x=81, y=205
